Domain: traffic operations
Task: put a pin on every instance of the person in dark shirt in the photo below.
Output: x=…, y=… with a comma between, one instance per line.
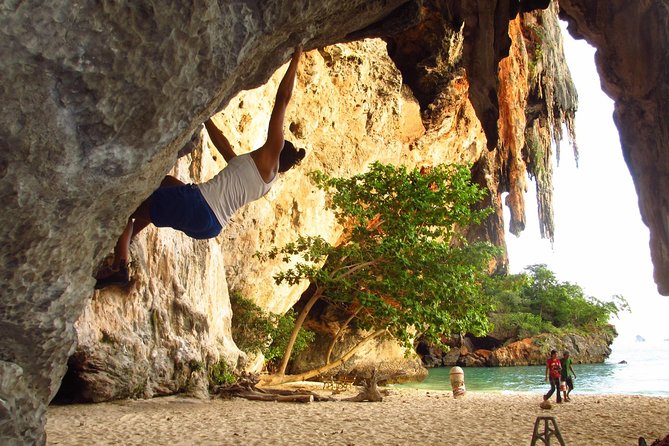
x=567, y=375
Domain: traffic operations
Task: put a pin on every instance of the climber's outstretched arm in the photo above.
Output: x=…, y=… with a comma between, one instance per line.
x=220, y=141
x=275, y=137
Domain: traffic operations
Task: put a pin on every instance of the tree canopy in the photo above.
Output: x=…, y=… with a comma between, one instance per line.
x=402, y=266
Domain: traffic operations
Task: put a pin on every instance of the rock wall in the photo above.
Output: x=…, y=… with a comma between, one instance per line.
x=593, y=348
x=349, y=108
x=632, y=40
x=152, y=337
x=536, y=97
x=100, y=97
x=589, y=349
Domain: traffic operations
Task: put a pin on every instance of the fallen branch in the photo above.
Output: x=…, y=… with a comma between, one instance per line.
x=245, y=387
x=370, y=391
x=258, y=396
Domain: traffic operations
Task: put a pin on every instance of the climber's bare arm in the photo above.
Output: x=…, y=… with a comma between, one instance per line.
x=220, y=141
x=275, y=138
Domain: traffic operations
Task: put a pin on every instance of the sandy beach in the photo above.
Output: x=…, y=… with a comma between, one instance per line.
x=405, y=417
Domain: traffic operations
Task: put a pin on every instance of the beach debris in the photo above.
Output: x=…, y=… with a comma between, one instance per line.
x=457, y=376
x=245, y=387
x=546, y=405
x=338, y=384
x=370, y=391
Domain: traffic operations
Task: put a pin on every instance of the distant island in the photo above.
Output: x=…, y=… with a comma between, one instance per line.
x=533, y=313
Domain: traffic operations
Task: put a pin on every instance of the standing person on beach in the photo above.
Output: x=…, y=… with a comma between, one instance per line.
x=201, y=210
x=553, y=373
x=567, y=375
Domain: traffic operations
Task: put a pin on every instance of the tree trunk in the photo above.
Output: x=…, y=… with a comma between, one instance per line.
x=305, y=311
x=257, y=396
x=280, y=378
x=339, y=333
x=296, y=329
x=246, y=388
x=370, y=391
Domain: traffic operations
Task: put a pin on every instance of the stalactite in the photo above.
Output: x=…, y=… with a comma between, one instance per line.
x=551, y=103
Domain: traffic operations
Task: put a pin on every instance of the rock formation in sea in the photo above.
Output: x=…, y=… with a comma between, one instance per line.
x=493, y=351
x=99, y=98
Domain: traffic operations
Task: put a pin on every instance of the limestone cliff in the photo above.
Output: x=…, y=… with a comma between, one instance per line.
x=99, y=97
x=350, y=107
x=631, y=40
x=534, y=351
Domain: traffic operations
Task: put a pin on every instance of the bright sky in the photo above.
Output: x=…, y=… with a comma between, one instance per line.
x=600, y=242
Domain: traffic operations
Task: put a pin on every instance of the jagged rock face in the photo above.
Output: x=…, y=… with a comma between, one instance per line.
x=593, y=348
x=534, y=351
x=348, y=109
x=152, y=337
x=98, y=100
x=454, y=133
x=534, y=98
x=632, y=40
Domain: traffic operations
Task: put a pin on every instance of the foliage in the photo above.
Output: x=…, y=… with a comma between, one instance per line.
x=280, y=335
x=524, y=325
x=251, y=327
x=196, y=366
x=536, y=302
x=219, y=374
x=403, y=265
x=256, y=331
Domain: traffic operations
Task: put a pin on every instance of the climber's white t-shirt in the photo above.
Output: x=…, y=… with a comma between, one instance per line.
x=234, y=186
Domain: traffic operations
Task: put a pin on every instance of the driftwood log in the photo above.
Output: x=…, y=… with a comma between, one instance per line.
x=245, y=387
x=370, y=391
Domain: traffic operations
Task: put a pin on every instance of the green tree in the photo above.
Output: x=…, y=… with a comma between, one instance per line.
x=536, y=301
x=257, y=331
x=403, y=267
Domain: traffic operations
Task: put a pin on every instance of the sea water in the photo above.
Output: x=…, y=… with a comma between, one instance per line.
x=645, y=371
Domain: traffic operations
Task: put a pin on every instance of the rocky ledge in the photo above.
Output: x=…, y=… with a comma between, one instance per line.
x=470, y=351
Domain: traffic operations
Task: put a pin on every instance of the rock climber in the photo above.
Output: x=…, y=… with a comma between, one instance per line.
x=201, y=210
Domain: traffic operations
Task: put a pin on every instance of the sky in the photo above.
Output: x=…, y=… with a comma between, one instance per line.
x=600, y=241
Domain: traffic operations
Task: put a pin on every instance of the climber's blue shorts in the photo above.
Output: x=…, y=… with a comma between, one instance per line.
x=185, y=209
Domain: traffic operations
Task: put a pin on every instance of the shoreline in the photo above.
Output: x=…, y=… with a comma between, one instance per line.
x=648, y=378
x=539, y=393
x=405, y=417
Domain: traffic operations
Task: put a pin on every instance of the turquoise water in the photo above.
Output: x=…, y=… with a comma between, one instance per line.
x=646, y=373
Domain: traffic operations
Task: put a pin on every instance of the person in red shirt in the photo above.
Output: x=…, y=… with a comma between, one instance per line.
x=553, y=373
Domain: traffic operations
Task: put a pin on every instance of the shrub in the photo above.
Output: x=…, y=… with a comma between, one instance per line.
x=257, y=331
x=219, y=374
